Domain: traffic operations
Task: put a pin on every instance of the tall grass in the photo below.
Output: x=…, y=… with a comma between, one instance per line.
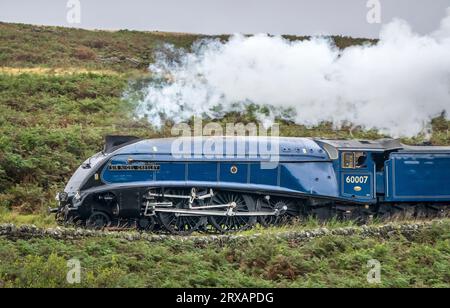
x=421, y=260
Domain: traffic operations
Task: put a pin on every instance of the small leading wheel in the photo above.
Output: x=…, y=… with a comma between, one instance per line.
x=146, y=224
x=241, y=204
x=177, y=223
x=98, y=220
x=64, y=217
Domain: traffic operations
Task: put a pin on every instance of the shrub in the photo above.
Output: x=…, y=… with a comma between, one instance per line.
x=84, y=53
x=28, y=57
x=26, y=198
x=97, y=43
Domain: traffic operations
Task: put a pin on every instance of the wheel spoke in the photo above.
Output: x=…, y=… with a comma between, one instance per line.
x=232, y=223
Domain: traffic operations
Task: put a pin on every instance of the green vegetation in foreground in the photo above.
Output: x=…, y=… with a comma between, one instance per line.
x=421, y=260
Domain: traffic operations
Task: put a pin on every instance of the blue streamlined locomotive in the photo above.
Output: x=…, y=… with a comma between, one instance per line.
x=142, y=183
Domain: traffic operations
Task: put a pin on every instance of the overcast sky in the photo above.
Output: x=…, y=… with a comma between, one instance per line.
x=302, y=17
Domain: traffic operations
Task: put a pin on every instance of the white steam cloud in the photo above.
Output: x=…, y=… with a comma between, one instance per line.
x=396, y=86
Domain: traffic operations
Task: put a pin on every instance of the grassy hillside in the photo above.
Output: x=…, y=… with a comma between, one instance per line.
x=420, y=260
x=122, y=51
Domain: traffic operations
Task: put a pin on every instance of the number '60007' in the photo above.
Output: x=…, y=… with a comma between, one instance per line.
x=357, y=179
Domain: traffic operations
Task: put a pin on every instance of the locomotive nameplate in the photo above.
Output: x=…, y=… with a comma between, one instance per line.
x=146, y=167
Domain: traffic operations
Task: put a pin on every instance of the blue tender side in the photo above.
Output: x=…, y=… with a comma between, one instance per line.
x=418, y=177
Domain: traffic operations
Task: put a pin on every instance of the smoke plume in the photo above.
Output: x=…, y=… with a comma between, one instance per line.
x=396, y=85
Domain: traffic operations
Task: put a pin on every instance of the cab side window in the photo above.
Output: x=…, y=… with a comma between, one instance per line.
x=354, y=160
x=348, y=160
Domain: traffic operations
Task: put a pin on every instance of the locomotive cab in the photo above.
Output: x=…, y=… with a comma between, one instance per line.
x=359, y=167
x=357, y=176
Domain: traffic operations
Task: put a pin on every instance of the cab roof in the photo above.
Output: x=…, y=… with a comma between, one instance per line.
x=380, y=145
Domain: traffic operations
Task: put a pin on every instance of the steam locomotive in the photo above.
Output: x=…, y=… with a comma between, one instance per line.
x=143, y=183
